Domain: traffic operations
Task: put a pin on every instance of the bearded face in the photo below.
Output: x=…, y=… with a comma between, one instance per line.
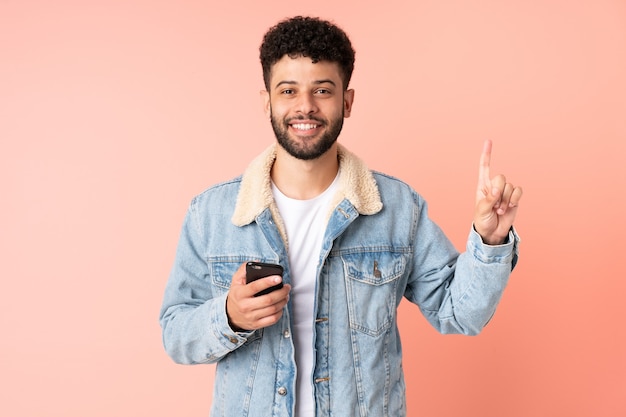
x=319, y=135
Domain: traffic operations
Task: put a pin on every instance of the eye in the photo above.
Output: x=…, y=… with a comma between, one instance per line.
x=287, y=91
x=322, y=91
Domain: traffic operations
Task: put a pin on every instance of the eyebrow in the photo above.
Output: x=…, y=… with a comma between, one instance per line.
x=317, y=82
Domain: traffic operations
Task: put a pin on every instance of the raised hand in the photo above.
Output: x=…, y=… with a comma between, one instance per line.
x=496, y=202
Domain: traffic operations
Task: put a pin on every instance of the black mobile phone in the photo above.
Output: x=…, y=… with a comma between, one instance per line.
x=256, y=270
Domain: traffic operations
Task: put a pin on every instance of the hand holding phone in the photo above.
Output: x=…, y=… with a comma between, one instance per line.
x=257, y=270
x=244, y=312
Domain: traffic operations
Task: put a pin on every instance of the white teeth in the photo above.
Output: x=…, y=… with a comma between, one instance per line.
x=303, y=126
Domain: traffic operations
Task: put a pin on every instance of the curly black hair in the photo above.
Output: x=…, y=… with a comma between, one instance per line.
x=311, y=37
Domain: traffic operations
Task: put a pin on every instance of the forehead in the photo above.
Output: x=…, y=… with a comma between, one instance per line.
x=302, y=70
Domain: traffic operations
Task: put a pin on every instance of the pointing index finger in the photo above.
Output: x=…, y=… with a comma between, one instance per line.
x=484, y=179
x=485, y=161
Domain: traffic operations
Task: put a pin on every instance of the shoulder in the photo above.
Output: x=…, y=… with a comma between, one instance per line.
x=394, y=188
x=219, y=194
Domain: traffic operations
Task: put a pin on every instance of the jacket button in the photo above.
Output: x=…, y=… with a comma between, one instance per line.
x=233, y=340
x=282, y=391
x=286, y=334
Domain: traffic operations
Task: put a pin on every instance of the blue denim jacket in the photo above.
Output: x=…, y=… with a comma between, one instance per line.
x=379, y=246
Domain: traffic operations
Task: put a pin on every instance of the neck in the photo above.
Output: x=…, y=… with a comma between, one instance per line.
x=303, y=180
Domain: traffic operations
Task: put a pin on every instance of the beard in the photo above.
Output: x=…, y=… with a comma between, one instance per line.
x=307, y=151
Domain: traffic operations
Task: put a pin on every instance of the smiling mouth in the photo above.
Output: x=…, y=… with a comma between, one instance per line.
x=304, y=126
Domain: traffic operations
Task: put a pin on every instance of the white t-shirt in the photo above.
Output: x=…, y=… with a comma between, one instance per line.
x=305, y=223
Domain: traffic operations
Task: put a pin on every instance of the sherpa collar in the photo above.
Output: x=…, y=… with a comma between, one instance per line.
x=356, y=184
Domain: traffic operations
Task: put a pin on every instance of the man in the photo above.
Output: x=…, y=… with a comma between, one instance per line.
x=352, y=243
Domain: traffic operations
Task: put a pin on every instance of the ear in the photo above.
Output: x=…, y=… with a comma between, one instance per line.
x=265, y=102
x=348, y=99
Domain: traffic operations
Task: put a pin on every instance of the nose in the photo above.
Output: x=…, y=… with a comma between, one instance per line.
x=306, y=104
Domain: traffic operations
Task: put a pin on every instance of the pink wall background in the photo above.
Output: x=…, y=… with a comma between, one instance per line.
x=113, y=114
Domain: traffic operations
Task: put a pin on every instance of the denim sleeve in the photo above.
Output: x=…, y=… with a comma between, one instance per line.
x=458, y=293
x=193, y=316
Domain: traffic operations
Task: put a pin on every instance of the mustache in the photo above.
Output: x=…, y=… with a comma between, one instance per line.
x=301, y=117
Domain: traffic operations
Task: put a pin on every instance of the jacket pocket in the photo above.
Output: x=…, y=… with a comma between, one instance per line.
x=221, y=275
x=371, y=281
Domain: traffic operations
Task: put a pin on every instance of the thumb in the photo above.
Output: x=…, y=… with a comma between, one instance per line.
x=489, y=202
x=494, y=196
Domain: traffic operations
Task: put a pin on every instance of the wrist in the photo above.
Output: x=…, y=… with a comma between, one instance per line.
x=491, y=240
x=231, y=324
